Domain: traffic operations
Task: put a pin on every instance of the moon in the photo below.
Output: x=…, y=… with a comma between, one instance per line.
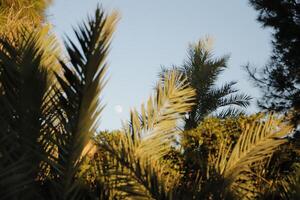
x=118, y=109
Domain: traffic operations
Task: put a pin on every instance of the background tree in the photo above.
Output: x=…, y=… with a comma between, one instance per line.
x=280, y=78
x=202, y=71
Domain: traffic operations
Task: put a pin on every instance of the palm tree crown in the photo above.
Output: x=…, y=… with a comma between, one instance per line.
x=202, y=71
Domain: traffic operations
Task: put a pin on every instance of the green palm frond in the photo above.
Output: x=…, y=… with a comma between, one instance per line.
x=148, y=136
x=241, y=100
x=230, y=111
x=223, y=102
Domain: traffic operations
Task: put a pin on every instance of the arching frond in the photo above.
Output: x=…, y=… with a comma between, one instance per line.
x=147, y=138
x=256, y=144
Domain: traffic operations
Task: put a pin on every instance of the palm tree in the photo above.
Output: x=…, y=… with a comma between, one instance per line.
x=47, y=128
x=44, y=129
x=202, y=71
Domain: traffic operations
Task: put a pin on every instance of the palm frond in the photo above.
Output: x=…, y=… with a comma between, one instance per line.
x=229, y=111
x=256, y=144
x=225, y=101
x=201, y=68
x=130, y=175
x=202, y=71
x=279, y=178
x=19, y=13
x=224, y=90
x=79, y=100
x=241, y=100
x=23, y=84
x=147, y=138
x=157, y=122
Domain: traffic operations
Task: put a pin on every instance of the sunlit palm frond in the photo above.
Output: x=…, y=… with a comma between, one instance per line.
x=147, y=138
x=52, y=48
x=256, y=144
x=280, y=176
x=66, y=113
x=133, y=177
x=158, y=121
x=47, y=43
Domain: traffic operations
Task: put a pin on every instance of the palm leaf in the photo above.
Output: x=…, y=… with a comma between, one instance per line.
x=138, y=172
x=46, y=128
x=79, y=99
x=256, y=144
x=202, y=71
x=23, y=84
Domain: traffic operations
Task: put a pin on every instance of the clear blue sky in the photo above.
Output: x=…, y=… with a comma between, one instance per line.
x=156, y=33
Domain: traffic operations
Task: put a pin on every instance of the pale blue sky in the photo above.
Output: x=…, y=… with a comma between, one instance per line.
x=156, y=33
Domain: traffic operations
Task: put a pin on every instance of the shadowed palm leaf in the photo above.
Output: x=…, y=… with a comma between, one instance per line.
x=23, y=85
x=45, y=129
x=81, y=86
